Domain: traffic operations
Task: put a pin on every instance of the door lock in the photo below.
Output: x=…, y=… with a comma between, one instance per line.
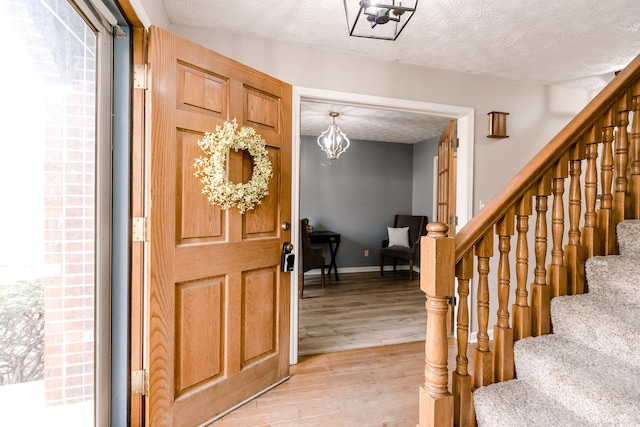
x=287, y=259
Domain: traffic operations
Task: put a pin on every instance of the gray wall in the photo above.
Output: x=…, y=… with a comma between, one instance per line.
x=358, y=194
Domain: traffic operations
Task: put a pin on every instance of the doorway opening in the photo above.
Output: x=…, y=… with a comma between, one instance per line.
x=464, y=176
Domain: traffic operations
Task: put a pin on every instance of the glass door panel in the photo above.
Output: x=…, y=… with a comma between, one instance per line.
x=47, y=219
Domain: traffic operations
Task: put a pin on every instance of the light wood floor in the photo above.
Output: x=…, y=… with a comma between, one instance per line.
x=355, y=388
x=370, y=386
x=361, y=310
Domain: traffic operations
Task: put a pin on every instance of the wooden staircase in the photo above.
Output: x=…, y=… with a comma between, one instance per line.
x=562, y=208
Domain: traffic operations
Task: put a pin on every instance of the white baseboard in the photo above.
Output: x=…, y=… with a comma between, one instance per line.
x=364, y=269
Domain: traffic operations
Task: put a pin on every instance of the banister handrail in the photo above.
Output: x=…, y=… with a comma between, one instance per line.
x=475, y=229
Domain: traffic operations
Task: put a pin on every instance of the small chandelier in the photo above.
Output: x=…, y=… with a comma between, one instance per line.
x=332, y=141
x=378, y=19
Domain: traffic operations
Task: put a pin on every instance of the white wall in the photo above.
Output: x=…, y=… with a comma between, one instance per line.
x=537, y=112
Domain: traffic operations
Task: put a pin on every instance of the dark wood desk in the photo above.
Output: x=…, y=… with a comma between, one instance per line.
x=333, y=240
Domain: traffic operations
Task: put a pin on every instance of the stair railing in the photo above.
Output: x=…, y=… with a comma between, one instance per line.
x=600, y=160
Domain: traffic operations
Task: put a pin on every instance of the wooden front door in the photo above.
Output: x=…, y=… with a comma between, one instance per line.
x=218, y=305
x=447, y=177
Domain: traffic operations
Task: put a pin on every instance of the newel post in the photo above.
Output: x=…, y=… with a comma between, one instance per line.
x=437, y=267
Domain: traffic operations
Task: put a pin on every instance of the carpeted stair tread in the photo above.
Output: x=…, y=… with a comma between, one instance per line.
x=600, y=324
x=517, y=404
x=599, y=388
x=614, y=276
x=628, y=241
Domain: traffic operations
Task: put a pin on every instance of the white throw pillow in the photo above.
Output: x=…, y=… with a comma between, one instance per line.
x=398, y=236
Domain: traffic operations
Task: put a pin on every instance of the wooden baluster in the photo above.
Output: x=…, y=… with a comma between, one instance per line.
x=605, y=213
x=574, y=252
x=482, y=356
x=503, y=367
x=540, y=291
x=521, y=309
x=634, y=154
x=591, y=236
x=621, y=199
x=437, y=282
x=464, y=413
x=557, y=269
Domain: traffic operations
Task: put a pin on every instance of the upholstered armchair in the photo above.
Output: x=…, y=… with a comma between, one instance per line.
x=311, y=257
x=404, y=241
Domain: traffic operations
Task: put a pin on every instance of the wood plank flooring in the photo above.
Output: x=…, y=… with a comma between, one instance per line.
x=361, y=310
x=353, y=388
x=362, y=357
x=367, y=387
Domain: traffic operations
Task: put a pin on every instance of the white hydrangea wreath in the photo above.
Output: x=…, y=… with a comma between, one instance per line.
x=211, y=168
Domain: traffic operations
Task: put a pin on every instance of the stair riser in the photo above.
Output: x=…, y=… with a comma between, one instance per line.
x=628, y=241
x=599, y=324
x=615, y=277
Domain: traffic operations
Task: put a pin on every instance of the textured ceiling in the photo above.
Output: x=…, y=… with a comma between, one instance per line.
x=370, y=124
x=571, y=42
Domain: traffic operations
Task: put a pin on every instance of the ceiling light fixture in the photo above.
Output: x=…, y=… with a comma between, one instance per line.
x=332, y=141
x=383, y=19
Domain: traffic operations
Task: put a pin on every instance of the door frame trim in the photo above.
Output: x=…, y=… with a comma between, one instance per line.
x=464, y=174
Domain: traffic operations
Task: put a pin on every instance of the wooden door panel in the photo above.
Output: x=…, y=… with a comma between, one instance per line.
x=259, y=314
x=201, y=92
x=447, y=178
x=193, y=261
x=261, y=110
x=199, y=349
x=218, y=303
x=263, y=220
x=209, y=223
